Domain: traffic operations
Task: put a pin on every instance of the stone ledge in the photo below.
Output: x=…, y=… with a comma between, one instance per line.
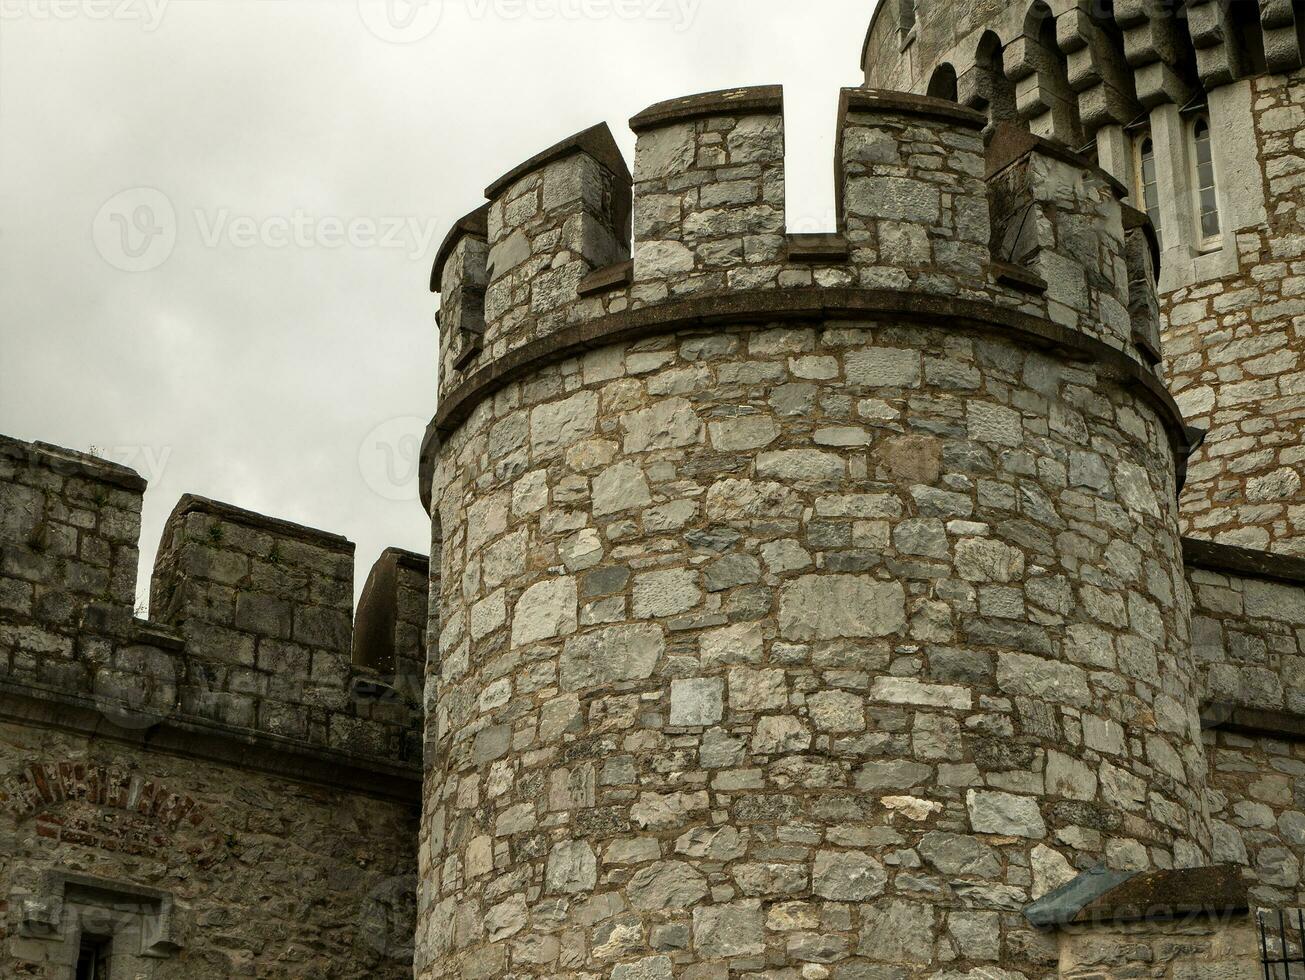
x=606, y=279
x=807, y=303
x=69, y=462
x=476, y=224
x=761, y=99
x=207, y=742
x=1100, y=896
x=192, y=504
x=1243, y=561
x=817, y=247
x=1257, y=722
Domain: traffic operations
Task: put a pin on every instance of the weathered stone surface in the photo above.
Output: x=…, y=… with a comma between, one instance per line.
x=830, y=606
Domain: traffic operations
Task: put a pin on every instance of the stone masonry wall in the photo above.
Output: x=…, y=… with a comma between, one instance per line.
x=273, y=879
x=228, y=752
x=1236, y=353
x=708, y=206
x=1220, y=947
x=1235, y=337
x=251, y=626
x=825, y=645
x=1249, y=637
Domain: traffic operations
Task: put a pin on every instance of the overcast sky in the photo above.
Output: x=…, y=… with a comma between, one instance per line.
x=218, y=217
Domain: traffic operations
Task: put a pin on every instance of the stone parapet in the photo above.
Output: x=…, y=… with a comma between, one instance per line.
x=250, y=636
x=917, y=203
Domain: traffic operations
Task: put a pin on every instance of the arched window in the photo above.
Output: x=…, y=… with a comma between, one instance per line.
x=997, y=92
x=1054, y=93
x=906, y=16
x=1207, y=191
x=1147, y=186
x=943, y=83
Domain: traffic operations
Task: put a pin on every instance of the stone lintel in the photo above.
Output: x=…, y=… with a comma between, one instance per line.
x=757, y=100
x=475, y=224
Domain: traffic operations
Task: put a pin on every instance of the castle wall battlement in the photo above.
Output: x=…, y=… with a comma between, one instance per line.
x=251, y=633
x=919, y=197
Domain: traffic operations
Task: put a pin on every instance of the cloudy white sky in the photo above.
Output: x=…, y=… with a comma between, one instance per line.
x=218, y=217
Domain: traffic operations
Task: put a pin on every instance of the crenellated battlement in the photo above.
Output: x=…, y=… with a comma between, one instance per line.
x=929, y=206
x=251, y=637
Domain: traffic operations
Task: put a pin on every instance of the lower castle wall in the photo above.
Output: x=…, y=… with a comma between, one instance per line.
x=828, y=645
x=273, y=879
x=1216, y=947
x=1249, y=638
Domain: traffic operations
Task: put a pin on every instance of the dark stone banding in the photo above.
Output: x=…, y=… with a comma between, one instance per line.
x=1243, y=561
x=192, y=504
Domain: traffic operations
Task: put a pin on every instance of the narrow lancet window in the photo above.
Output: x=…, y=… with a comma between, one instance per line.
x=1148, y=188
x=1206, y=190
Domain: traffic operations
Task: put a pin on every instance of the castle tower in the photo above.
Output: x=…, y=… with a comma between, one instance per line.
x=1197, y=108
x=808, y=603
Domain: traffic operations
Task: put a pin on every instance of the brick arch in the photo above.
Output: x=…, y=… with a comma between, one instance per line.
x=57, y=796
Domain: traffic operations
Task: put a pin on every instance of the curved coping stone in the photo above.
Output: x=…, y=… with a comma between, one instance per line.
x=475, y=224
x=760, y=99
x=1011, y=143
x=597, y=141
x=192, y=504
x=1101, y=896
x=69, y=462
x=808, y=303
x=860, y=99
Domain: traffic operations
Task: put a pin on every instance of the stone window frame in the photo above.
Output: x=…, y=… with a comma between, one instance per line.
x=907, y=17
x=1190, y=259
x=144, y=923
x=1204, y=243
x=1142, y=149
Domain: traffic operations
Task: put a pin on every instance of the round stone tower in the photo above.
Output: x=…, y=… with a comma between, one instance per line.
x=1196, y=106
x=809, y=603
